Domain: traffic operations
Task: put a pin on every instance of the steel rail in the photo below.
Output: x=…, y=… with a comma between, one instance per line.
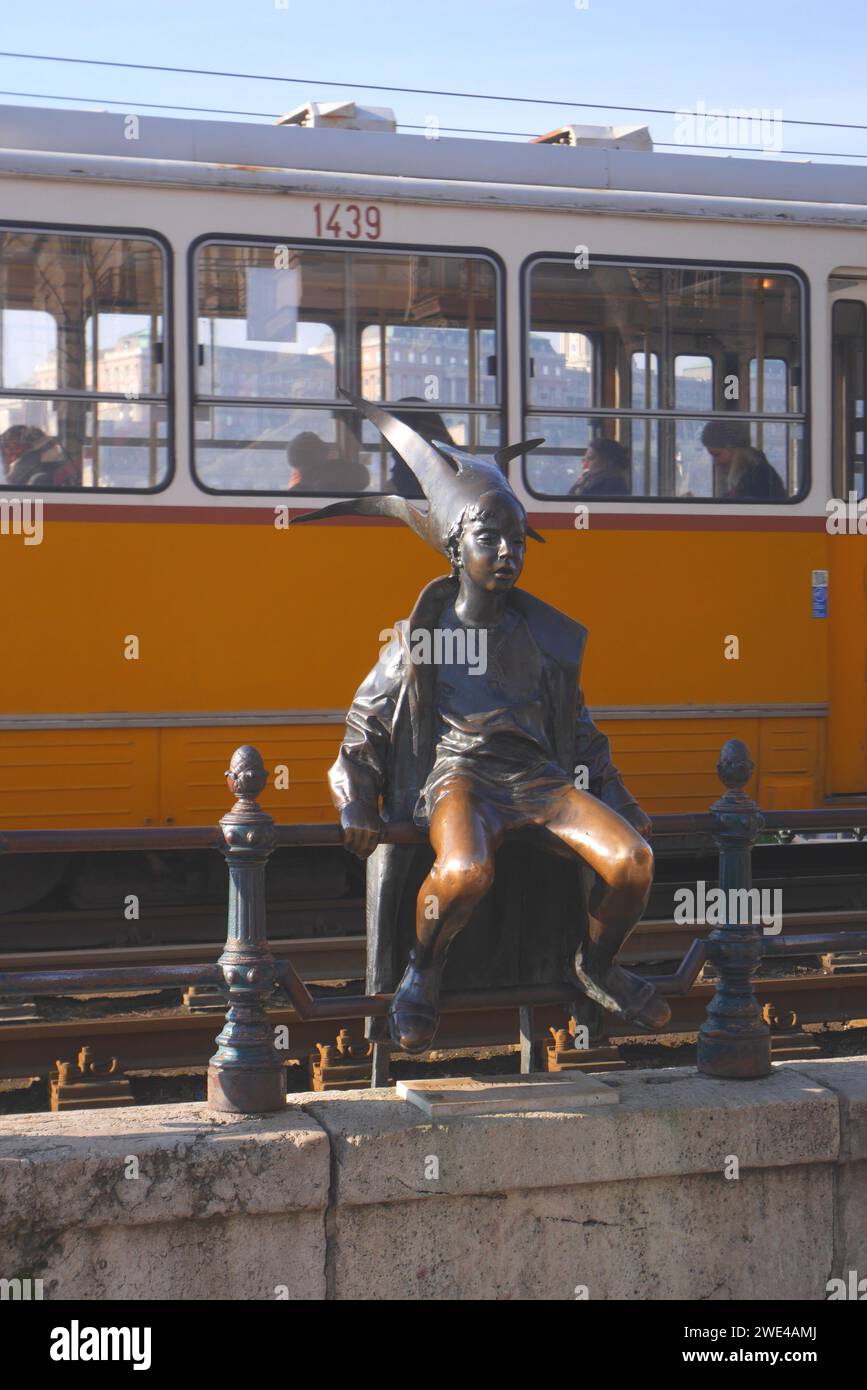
x=167, y=1040
x=325, y=958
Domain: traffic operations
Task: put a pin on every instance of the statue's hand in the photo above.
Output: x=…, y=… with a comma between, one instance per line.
x=362, y=828
x=639, y=820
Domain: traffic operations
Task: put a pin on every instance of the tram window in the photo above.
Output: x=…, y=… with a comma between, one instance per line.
x=83, y=399
x=414, y=331
x=693, y=383
x=428, y=324
x=675, y=349
x=849, y=391
x=769, y=389
x=561, y=369
x=264, y=322
x=761, y=475
x=441, y=365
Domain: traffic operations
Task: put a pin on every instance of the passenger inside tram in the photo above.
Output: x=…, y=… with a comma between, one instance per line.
x=742, y=473
x=752, y=478
x=607, y=471
x=31, y=458
x=314, y=469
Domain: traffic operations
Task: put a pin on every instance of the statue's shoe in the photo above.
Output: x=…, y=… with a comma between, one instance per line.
x=623, y=993
x=413, y=1015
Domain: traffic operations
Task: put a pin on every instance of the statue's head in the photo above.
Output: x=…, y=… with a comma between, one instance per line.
x=486, y=543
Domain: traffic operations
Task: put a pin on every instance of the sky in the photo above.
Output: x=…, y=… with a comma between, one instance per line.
x=793, y=59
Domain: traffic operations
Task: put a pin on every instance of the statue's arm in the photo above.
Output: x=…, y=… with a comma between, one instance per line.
x=357, y=778
x=593, y=751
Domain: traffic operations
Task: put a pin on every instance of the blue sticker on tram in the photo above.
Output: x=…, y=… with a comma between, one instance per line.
x=820, y=593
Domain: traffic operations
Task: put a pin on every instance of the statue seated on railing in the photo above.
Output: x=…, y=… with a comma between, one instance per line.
x=473, y=724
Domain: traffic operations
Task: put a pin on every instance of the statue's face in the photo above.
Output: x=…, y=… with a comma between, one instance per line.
x=492, y=545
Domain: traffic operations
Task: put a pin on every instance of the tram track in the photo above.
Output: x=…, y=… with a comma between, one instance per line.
x=166, y=1038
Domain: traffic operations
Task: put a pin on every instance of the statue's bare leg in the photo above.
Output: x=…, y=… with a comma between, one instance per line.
x=623, y=862
x=464, y=835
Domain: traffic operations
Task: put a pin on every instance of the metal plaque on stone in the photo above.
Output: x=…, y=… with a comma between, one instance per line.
x=534, y=1093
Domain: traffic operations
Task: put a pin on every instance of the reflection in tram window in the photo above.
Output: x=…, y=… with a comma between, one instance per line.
x=665, y=350
x=693, y=382
x=82, y=384
x=280, y=330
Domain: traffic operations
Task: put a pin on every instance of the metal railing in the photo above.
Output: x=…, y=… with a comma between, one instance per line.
x=246, y=1075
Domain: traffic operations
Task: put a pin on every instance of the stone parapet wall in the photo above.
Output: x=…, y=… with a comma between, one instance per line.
x=355, y=1195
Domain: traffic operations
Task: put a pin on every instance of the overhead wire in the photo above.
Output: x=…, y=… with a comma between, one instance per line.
x=413, y=91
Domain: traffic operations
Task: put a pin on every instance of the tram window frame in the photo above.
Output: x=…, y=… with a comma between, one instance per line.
x=843, y=469
x=164, y=345
x=799, y=421
x=338, y=406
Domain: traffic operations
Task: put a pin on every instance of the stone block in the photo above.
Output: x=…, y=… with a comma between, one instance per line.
x=669, y=1122
x=694, y=1238
x=846, y=1077
x=221, y=1206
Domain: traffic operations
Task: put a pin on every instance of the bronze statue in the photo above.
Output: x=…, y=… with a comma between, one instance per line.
x=473, y=724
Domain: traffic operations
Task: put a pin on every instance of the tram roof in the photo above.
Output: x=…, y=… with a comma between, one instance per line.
x=258, y=149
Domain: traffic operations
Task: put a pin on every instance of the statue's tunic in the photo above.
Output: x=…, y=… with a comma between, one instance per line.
x=491, y=729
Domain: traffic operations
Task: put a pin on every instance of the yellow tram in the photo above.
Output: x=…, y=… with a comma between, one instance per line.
x=179, y=304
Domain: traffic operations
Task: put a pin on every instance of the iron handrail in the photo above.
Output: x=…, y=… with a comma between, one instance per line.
x=326, y=834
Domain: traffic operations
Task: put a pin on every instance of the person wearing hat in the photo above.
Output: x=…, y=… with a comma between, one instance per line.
x=33, y=459
x=314, y=470
x=470, y=752
x=742, y=473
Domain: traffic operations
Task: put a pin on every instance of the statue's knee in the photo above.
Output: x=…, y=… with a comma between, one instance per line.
x=633, y=868
x=463, y=877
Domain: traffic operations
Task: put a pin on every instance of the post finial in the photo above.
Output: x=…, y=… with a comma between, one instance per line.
x=246, y=776
x=735, y=766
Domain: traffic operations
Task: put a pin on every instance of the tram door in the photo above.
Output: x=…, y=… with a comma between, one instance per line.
x=847, y=552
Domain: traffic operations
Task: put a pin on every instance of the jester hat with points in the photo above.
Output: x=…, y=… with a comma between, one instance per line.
x=450, y=479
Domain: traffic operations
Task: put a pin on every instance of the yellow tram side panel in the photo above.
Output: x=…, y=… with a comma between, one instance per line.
x=78, y=778
x=660, y=606
x=297, y=757
x=244, y=617
x=134, y=777
x=670, y=764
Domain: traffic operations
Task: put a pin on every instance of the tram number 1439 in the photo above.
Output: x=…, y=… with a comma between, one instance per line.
x=348, y=220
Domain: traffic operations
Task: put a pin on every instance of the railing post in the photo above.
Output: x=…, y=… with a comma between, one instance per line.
x=246, y=1075
x=734, y=1040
